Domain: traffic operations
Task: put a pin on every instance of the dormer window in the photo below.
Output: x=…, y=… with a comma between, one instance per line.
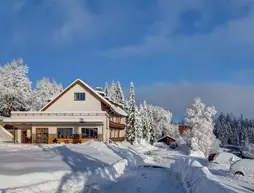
x=79, y=96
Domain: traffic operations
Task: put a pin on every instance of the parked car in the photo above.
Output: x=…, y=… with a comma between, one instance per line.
x=211, y=157
x=243, y=167
x=223, y=158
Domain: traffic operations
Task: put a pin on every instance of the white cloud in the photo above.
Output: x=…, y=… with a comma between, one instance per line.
x=234, y=35
x=177, y=97
x=78, y=21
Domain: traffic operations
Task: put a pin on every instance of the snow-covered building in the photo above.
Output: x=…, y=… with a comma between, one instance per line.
x=167, y=139
x=79, y=113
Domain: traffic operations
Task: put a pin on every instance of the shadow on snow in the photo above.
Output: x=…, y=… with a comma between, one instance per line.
x=87, y=170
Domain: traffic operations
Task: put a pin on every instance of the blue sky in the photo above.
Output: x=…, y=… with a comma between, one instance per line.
x=174, y=49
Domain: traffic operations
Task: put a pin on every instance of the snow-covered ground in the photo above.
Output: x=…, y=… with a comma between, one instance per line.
x=203, y=179
x=61, y=168
x=221, y=171
x=89, y=167
x=97, y=167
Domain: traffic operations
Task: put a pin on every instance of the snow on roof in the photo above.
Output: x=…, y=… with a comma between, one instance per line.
x=105, y=101
x=166, y=136
x=39, y=120
x=57, y=112
x=101, y=93
x=118, y=110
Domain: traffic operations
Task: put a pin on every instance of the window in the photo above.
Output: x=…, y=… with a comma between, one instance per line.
x=79, y=96
x=114, y=133
x=64, y=133
x=89, y=133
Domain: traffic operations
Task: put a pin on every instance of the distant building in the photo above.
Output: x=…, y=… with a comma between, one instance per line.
x=167, y=139
x=183, y=128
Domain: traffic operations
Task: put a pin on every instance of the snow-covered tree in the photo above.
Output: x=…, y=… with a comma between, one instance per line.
x=221, y=129
x=146, y=122
x=106, y=89
x=151, y=125
x=126, y=105
x=201, y=136
x=115, y=93
x=132, y=118
x=162, y=123
x=112, y=92
x=15, y=87
x=138, y=126
x=230, y=126
x=119, y=94
x=234, y=131
x=45, y=90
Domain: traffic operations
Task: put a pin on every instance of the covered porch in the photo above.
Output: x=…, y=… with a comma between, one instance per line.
x=50, y=131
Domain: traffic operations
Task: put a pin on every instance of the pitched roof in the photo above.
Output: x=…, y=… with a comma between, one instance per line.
x=91, y=91
x=166, y=136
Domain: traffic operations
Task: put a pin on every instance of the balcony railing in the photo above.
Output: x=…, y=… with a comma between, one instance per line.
x=116, y=125
x=117, y=139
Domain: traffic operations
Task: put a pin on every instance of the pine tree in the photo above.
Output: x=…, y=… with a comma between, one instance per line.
x=45, y=90
x=146, y=123
x=221, y=129
x=233, y=131
x=243, y=131
x=230, y=129
x=138, y=126
x=106, y=89
x=126, y=105
x=131, y=121
x=119, y=94
x=15, y=86
x=151, y=125
x=112, y=93
x=240, y=130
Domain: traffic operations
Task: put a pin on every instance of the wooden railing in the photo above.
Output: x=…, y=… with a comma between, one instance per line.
x=120, y=139
x=71, y=140
x=116, y=125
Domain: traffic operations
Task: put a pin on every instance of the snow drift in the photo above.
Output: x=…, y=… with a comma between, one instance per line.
x=197, y=178
x=62, y=168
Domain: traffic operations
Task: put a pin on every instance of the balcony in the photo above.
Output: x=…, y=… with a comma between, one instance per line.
x=115, y=125
x=116, y=139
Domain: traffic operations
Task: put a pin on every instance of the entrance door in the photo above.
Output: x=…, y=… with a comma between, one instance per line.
x=42, y=135
x=24, y=136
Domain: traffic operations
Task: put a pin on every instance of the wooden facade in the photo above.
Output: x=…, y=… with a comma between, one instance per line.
x=117, y=139
x=167, y=140
x=183, y=128
x=116, y=125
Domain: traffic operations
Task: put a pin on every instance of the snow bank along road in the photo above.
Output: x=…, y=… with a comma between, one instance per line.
x=194, y=176
x=89, y=167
